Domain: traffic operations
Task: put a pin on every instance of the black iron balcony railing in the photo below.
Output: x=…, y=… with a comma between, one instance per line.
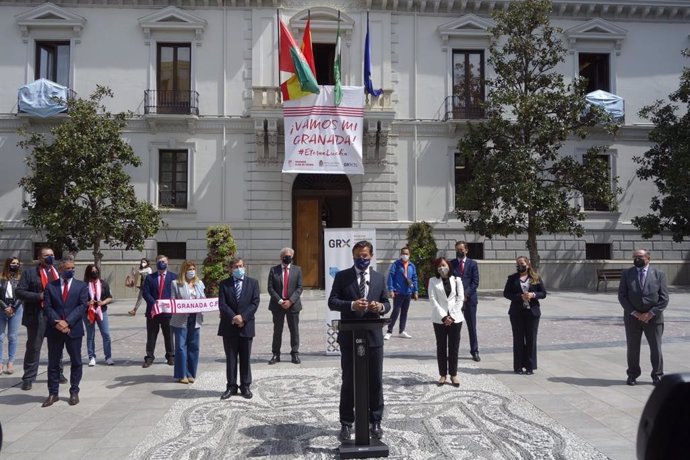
x=458, y=108
x=182, y=102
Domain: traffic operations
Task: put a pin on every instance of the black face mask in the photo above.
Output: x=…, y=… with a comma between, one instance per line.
x=14, y=268
x=639, y=262
x=287, y=260
x=94, y=275
x=521, y=268
x=459, y=254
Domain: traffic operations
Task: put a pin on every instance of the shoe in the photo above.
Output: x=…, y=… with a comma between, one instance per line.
x=519, y=372
x=475, y=357
x=109, y=361
x=455, y=381
x=405, y=335
x=376, y=430
x=92, y=362
x=441, y=381
x=387, y=336
x=147, y=362
x=63, y=379
x=295, y=359
x=10, y=368
x=73, y=399
x=247, y=393
x=656, y=380
x=190, y=379
x=274, y=359
x=229, y=392
x=171, y=361
x=26, y=385
x=132, y=312
x=345, y=433
x=52, y=399
x=631, y=381
x=529, y=372
x=184, y=380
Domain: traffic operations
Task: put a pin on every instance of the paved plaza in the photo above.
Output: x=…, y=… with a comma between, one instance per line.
x=575, y=406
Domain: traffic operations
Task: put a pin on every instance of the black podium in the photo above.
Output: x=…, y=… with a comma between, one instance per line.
x=363, y=446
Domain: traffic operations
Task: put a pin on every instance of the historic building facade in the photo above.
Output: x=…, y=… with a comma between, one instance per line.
x=201, y=80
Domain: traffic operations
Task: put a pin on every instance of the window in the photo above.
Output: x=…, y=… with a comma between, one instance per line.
x=174, y=71
x=595, y=68
x=52, y=61
x=173, y=250
x=463, y=175
x=590, y=203
x=324, y=55
x=468, y=84
x=597, y=251
x=172, y=179
x=475, y=251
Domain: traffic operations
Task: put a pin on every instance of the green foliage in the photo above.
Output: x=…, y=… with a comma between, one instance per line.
x=420, y=240
x=521, y=181
x=221, y=248
x=79, y=192
x=667, y=164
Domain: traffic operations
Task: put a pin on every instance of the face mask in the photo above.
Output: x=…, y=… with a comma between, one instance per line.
x=639, y=262
x=405, y=257
x=521, y=268
x=14, y=268
x=161, y=265
x=238, y=272
x=68, y=274
x=49, y=260
x=191, y=274
x=94, y=275
x=443, y=271
x=287, y=260
x=362, y=263
x=459, y=254
x=144, y=265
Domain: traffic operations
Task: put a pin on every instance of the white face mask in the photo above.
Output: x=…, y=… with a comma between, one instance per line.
x=405, y=257
x=190, y=274
x=443, y=271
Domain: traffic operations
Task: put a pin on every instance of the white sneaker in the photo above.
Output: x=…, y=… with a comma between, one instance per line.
x=92, y=362
x=387, y=336
x=405, y=335
x=109, y=361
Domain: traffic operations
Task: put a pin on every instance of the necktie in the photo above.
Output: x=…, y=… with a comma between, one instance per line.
x=286, y=275
x=362, y=285
x=462, y=267
x=238, y=289
x=160, y=286
x=642, y=278
x=65, y=291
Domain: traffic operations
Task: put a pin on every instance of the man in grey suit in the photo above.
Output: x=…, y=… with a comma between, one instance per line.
x=285, y=289
x=644, y=296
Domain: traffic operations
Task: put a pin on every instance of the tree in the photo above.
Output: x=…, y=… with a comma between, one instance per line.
x=423, y=250
x=221, y=248
x=521, y=181
x=667, y=164
x=79, y=192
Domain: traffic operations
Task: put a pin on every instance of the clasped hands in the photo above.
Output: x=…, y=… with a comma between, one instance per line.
x=286, y=304
x=9, y=312
x=365, y=305
x=644, y=317
x=448, y=320
x=62, y=326
x=527, y=296
x=238, y=321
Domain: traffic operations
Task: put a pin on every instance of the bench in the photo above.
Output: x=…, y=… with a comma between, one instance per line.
x=608, y=274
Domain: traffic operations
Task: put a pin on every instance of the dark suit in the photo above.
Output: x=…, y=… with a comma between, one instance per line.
x=345, y=290
x=151, y=294
x=29, y=291
x=294, y=291
x=524, y=322
x=652, y=297
x=470, y=284
x=237, y=341
x=72, y=310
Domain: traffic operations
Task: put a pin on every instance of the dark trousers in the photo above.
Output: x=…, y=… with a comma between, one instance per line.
x=34, y=342
x=293, y=325
x=347, y=390
x=161, y=322
x=470, y=314
x=56, y=343
x=633, y=338
x=238, y=350
x=447, y=346
x=525, y=327
x=401, y=304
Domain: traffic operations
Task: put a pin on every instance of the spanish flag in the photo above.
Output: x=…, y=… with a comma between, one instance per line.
x=299, y=62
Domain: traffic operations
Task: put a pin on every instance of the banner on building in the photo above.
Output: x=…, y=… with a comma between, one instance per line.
x=338, y=243
x=321, y=138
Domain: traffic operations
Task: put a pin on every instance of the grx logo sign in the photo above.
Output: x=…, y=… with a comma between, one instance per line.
x=338, y=243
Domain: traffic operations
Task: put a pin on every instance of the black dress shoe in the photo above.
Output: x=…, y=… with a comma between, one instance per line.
x=52, y=399
x=529, y=372
x=63, y=379
x=171, y=361
x=656, y=380
x=518, y=371
x=376, y=430
x=73, y=399
x=147, y=363
x=247, y=393
x=26, y=385
x=229, y=392
x=631, y=381
x=345, y=433
x=475, y=357
x=274, y=359
x=295, y=359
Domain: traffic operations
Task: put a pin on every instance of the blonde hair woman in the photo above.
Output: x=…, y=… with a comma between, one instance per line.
x=186, y=326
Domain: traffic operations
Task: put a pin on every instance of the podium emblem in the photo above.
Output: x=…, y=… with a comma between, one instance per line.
x=361, y=351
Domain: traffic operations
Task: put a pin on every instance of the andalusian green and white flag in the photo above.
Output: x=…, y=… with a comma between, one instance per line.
x=336, y=67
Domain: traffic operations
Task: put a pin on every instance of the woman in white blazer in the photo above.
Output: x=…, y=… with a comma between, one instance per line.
x=446, y=296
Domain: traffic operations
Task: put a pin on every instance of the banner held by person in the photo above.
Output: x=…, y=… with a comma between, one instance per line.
x=181, y=306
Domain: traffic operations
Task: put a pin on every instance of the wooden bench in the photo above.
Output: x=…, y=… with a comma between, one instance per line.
x=608, y=274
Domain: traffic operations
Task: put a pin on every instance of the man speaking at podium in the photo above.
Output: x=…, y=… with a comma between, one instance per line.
x=359, y=292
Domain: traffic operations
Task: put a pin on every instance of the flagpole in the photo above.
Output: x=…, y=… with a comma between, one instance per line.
x=278, y=53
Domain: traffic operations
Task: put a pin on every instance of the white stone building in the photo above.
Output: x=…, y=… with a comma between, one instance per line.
x=201, y=78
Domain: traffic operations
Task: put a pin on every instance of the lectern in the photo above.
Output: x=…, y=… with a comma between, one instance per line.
x=363, y=446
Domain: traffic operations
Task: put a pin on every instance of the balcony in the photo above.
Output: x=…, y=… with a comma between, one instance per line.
x=171, y=102
x=458, y=108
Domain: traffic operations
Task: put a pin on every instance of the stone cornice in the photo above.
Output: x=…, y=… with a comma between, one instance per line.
x=618, y=10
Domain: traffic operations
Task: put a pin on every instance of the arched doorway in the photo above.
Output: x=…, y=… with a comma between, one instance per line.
x=318, y=201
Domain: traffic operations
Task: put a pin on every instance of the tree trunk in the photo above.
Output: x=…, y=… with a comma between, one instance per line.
x=97, y=254
x=532, y=245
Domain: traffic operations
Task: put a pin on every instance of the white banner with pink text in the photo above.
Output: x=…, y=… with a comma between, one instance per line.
x=182, y=306
x=321, y=138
